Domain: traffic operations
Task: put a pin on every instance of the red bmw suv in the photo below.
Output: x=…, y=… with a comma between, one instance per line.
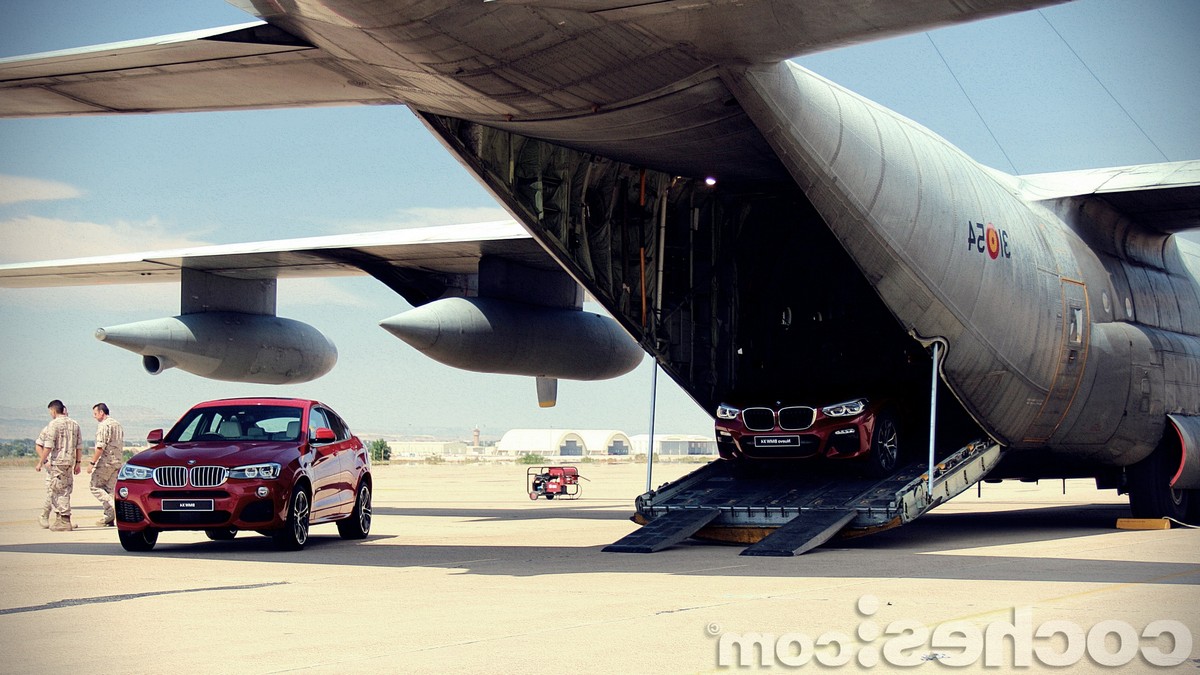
x=273, y=465
x=856, y=429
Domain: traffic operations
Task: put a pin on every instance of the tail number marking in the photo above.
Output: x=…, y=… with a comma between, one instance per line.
x=988, y=239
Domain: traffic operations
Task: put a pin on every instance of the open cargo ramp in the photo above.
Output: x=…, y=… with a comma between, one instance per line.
x=787, y=508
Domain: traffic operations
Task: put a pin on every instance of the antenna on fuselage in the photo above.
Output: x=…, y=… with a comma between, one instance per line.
x=971, y=101
x=1101, y=83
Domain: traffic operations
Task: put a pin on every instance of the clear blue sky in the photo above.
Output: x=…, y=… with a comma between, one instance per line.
x=1087, y=84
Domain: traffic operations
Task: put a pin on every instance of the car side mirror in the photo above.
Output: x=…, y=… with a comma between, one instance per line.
x=154, y=437
x=324, y=435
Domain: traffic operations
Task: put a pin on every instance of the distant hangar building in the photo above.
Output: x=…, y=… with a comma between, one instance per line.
x=598, y=443
x=676, y=445
x=564, y=443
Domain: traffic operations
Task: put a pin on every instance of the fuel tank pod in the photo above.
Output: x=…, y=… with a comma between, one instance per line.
x=490, y=335
x=230, y=346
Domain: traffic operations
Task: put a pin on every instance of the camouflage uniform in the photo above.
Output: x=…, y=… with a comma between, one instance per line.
x=44, y=519
x=64, y=442
x=110, y=443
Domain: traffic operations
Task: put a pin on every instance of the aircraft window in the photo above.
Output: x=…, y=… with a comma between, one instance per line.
x=1076, y=330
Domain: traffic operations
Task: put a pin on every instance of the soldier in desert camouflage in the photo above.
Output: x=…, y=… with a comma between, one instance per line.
x=59, y=448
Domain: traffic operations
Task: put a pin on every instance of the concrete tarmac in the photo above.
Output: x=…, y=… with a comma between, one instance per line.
x=463, y=573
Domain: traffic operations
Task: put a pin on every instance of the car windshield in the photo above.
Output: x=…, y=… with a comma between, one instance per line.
x=238, y=423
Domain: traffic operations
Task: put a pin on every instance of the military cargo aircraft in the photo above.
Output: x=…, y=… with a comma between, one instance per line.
x=761, y=231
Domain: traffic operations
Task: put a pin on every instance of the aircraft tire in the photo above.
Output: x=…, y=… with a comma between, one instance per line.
x=1193, y=515
x=1150, y=493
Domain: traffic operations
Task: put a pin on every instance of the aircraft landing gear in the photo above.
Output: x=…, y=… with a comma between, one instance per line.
x=1149, y=486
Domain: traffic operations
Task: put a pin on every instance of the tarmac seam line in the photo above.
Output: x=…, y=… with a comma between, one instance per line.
x=75, y=602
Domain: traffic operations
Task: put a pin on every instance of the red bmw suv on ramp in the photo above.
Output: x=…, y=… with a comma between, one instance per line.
x=860, y=429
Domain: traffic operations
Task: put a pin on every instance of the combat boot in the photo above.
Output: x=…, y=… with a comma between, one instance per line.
x=44, y=520
x=104, y=522
x=61, y=524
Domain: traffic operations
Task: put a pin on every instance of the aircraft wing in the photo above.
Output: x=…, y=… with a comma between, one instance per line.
x=420, y=263
x=266, y=65
x=252, y=65
x=1163, y=197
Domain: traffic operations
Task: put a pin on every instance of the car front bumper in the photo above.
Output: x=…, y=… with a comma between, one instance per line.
x=233, y=504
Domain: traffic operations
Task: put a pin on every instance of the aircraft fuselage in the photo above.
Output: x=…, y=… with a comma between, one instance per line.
x=1052, y=341
x=764, y=233
x=1064, y=348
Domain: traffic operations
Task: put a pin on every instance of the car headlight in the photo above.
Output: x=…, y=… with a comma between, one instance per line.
x=134, y=472
x=256, y=471
x=727, y=412
x=847, y=409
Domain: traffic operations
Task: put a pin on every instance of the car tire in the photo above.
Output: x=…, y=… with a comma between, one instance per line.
x=139, y=541
x=221, y=533
x=884, y=456
x=358, y=525
x=294, y=534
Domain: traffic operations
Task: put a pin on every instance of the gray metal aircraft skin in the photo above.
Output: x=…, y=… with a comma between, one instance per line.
x=839, y=241
x=1069, y=327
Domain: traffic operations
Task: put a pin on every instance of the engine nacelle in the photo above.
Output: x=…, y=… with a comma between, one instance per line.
x=156, y=364
x=489, y=335
x=229, y=346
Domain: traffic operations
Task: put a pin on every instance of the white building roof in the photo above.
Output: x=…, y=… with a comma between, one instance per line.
x=597, y=441
x=549, y=441
x=539, y=441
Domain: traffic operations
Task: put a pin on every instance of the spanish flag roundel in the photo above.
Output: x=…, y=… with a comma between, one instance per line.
x=993, y=241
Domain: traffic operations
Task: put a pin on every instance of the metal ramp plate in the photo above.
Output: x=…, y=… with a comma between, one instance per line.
x=808, y=530
x=808, y=503
x=666, y=530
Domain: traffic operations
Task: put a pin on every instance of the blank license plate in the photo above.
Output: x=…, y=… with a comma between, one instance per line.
x=187, y=505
